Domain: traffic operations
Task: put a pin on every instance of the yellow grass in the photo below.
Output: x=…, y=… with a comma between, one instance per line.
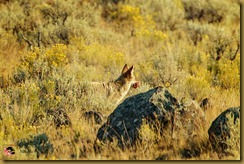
x=50, y=50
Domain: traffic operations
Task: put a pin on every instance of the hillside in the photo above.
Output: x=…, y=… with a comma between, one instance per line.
x=51, y=49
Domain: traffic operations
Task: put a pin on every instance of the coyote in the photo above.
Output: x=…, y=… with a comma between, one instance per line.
x=115, y=91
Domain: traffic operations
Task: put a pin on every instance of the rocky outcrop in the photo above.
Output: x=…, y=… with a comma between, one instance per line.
x=158, y=107
x=220, y=130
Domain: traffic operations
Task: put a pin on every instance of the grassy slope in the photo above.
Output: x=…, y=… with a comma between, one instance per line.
x=83, y=41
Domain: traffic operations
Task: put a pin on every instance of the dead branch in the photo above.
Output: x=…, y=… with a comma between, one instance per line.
x=235, y=54
x=28, y=42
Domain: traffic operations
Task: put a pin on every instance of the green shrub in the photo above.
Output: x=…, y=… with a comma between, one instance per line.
x=228, y=76
x=212, y=11
x=167, y=15
x=197, y=87
x=51, y=50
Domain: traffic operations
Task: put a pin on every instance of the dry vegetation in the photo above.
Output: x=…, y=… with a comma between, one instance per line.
x=50, y=49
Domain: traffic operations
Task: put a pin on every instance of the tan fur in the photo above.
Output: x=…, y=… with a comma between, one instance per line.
x=116, y=90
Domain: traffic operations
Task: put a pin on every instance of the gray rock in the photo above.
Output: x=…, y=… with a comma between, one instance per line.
x=219, y=130
x=161, y=111
x=157, y=106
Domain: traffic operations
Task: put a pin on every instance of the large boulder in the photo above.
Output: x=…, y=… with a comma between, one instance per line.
x=157, y=106
x=223, y=128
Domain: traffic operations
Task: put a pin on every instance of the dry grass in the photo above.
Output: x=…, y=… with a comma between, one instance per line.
x=50, y=50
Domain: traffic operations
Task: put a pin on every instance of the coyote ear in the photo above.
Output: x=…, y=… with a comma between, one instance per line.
x=124, y=69
x=130, y=70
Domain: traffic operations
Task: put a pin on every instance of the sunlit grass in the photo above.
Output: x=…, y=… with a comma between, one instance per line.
x=51, y=50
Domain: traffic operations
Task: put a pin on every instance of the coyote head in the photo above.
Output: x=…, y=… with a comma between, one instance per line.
x=127, y=78
x=116, y=90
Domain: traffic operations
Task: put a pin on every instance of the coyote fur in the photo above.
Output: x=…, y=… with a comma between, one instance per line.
x=115, y=91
